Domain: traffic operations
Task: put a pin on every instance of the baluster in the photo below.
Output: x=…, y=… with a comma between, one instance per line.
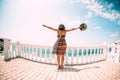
x=80, y=51
x=50, y=56
x=97, y=54
x=93, y=54
x=9, y=57
x=86, y=56
x=72, y=57
x=77, y=57
x=90, y=56
x=102, y=54
x=45, y=54
x=82, y=57
x=20, y=51
x=55, y=59
x=10, y=51
x=40, y=56
x=66, y=57
x=35, y=53
x=14, y=52
x=28, y=52
x=25, y=51
x=32, y=53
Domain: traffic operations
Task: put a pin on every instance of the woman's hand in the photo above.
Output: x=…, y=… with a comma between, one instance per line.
x=44, y=25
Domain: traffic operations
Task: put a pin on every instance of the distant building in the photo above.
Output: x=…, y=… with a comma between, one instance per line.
x=114, y=51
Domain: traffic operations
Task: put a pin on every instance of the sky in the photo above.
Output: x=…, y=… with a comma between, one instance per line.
x=22, y=20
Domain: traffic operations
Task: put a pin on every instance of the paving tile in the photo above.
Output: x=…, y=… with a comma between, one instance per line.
x=21, y=69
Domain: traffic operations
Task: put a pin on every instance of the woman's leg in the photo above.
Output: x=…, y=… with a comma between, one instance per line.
x=62, y=60
x=58, y=61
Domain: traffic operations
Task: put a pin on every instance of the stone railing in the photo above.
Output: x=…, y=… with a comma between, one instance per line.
x=74, y=55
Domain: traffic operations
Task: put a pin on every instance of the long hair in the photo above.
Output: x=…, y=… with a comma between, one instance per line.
x=61, y=27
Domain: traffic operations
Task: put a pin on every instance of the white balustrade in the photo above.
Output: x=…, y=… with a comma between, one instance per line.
x=74, y=55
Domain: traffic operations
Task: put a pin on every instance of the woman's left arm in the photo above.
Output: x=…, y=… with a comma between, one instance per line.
x=72, y=29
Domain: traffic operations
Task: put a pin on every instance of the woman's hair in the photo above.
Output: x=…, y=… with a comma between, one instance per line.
x=61, y=27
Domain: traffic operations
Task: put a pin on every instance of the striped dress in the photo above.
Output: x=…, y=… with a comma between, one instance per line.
x=60, y=46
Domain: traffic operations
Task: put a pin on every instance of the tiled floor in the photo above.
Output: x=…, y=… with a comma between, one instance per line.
x=20, y=69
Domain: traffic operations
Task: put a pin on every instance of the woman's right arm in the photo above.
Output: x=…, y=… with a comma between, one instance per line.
x=50, y=27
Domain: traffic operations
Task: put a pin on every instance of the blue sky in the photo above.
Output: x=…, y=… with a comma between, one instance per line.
x=21, y=20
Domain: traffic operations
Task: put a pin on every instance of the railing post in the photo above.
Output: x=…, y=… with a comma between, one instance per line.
x=6, y=49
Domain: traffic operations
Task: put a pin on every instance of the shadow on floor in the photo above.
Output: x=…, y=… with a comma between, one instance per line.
x=71, y=69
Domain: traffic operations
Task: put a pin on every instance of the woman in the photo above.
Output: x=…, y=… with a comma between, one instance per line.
x=61, y=44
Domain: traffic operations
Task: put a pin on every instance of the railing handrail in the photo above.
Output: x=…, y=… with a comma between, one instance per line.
x=97, y=46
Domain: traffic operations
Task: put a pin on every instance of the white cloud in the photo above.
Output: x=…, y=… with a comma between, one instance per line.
x=116, y=34
x=97, y=28
x=105, y=10
x=89, y=15
x=70, y=22
x=118, y=22
x=110, y=5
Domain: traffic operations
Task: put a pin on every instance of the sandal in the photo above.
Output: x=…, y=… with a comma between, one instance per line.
x=62, y=67
x=59, y=67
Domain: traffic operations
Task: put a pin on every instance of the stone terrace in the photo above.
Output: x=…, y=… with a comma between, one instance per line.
x=21, y=69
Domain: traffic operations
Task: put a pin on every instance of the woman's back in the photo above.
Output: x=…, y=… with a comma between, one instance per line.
x=61, y=32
